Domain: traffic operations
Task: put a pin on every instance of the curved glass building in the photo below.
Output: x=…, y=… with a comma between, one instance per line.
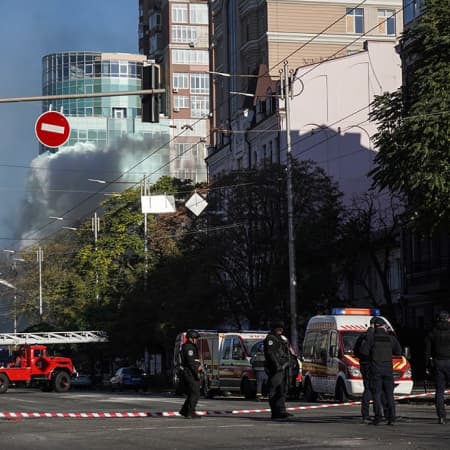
x=103, y=121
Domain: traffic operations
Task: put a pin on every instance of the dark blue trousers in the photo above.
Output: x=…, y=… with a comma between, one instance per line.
x=442, y=376
x=382, y=383
x=277, y=393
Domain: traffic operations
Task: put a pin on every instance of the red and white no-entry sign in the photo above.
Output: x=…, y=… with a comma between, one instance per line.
x=52, y=129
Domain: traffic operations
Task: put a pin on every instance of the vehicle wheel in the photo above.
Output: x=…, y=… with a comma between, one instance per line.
x=247, y=389
x=340, y=393
x=310, y=395
x=61, y=382
x=4, y=383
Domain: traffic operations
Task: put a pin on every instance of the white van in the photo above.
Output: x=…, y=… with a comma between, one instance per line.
x=329, y=365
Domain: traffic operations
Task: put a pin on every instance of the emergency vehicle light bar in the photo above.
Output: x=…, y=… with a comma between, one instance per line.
x=355, y=312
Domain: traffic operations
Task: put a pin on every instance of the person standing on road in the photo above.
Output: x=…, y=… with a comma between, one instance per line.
x=258, y=361
x=364, y=367
x=437, y=353
x=380, y=346
x=276, y=352
x=190, y=371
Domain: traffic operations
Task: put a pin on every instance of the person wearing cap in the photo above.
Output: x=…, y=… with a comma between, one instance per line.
x=437, y=354
x=381, y=346
x=276, y=352
x=191, y=368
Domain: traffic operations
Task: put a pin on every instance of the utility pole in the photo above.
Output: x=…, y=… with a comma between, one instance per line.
x=95, y=228
x=286, y=95
x=40, y=258
x=145, y=191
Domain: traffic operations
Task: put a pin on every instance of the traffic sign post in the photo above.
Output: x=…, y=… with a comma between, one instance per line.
x=52, y=129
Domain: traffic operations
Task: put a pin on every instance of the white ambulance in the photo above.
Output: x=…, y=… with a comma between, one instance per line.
x=329, y=365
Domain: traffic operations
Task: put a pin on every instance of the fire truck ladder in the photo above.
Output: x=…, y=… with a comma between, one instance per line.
x=56, y=337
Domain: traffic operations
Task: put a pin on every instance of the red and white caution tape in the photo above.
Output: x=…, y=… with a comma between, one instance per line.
x=122, y=415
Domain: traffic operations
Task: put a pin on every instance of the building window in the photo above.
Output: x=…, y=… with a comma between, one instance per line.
x=200, y=83
x=179, y=13
x=182, y=150
x=184, y=33
x=412, y=9
x=119, y=113
x=198, y=13
x=355, y=20
x=199, y=106
x=192, y=57
x=386, y=21
x=180, y=101
x=180, y=81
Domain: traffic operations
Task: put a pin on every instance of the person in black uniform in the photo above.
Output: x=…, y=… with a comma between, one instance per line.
x=364, y=367
x=191, y=368
x=437, y=352
x=276, y=352
x=380, y=346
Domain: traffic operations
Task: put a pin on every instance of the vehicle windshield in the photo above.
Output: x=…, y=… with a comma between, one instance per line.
x=249, y=343
x=349, y=341
x=258, y=347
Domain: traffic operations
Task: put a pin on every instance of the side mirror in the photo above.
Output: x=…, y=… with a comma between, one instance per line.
x=407, y=353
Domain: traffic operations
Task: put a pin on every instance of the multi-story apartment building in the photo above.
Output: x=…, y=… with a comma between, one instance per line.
x=175, y=35
x=249, y=35
x=102, y=121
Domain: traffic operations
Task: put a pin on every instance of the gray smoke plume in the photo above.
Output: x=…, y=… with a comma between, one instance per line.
x=58, y=184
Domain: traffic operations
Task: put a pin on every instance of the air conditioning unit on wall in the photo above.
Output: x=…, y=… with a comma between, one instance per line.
x=175, y=109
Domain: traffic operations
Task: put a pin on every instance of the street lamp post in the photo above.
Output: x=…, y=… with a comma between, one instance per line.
x=95, y=229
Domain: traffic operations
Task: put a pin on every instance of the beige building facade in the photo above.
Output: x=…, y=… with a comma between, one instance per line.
x=175, y=35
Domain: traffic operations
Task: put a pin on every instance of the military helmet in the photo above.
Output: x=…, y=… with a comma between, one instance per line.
x=192, y=334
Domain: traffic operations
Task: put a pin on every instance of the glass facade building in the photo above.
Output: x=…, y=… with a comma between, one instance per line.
x=102, y=121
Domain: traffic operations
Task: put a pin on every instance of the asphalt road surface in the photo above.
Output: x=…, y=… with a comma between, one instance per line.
x=326, y=428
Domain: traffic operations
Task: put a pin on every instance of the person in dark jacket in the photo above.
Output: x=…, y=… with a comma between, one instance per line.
x=276, y=352
x=191, y=368
x=258, y=362
x=437, y=353
x=364, y=367
x=381, y=346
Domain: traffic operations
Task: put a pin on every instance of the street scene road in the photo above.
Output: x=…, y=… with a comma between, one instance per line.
x=323, y=428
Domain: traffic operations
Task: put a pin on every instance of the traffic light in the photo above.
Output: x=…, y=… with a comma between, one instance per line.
x=150, y=102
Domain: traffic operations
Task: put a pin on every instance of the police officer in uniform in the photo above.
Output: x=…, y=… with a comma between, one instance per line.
x=437, y=348
x=364, y=366
x=381, y=345
x=191, y=368
x=276, y=352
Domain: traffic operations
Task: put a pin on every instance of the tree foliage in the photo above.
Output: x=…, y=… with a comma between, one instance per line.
x=414, y=123
x=251, y=241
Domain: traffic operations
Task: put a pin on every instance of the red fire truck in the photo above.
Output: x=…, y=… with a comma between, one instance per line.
x=33, y=366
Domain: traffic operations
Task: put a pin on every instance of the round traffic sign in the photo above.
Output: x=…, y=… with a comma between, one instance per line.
x=52, y=129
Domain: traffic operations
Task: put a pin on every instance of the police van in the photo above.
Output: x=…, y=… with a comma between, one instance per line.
x=329, y=365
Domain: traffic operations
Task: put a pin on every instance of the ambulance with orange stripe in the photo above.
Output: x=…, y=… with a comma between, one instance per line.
x=329, y=365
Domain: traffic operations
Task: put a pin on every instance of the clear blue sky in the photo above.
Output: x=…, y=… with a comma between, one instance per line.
x=30, y=29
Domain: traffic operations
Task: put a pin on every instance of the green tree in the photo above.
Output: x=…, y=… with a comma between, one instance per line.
x=250, y=241
x=414, y=123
